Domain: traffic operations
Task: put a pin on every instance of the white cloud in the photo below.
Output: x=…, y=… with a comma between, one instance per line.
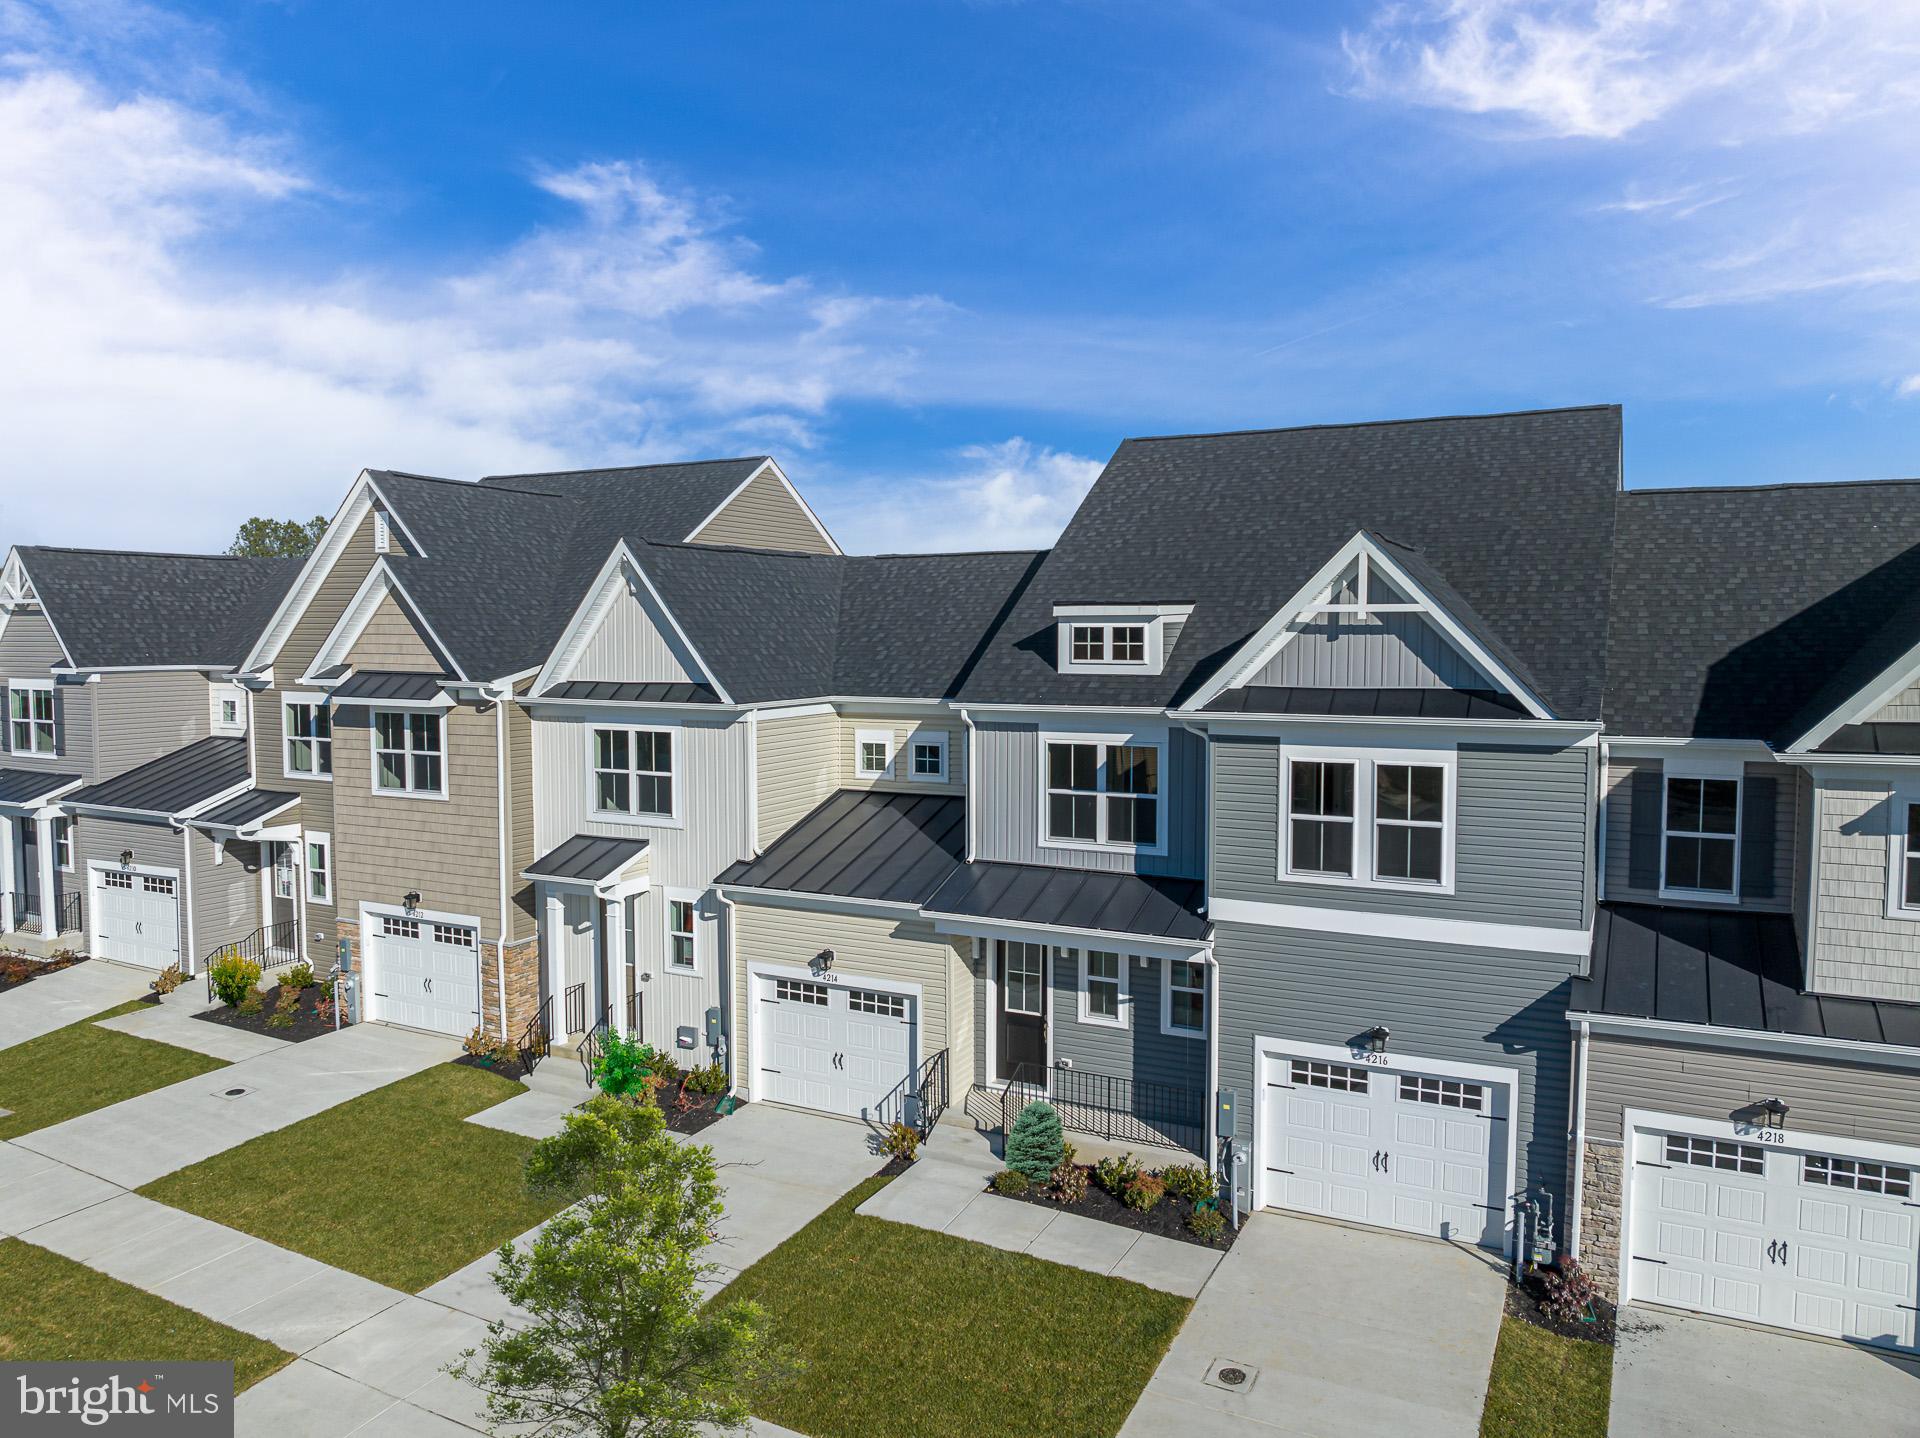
x=1010, y=495
x=1909, y=388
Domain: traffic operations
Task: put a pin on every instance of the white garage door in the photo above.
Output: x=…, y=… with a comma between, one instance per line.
x=838, y=1048
x=136, y=918
x=1386, y=1145
x=1789, y=1237
x=424, y=974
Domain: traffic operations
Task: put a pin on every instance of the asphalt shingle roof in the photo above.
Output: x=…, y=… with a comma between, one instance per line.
x=120, y=609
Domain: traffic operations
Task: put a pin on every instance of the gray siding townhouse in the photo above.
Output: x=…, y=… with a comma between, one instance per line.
x=126, y=743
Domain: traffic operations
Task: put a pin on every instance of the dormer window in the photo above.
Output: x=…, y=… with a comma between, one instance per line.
x=1117, y=639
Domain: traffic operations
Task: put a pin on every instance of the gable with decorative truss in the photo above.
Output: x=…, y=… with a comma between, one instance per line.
x=623, y=633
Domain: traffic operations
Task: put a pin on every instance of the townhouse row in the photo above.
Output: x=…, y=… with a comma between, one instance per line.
x=1406, y=817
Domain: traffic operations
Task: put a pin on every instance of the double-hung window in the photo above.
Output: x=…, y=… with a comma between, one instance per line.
x=32, y=727
x=1102, y=792
x=682, y=918
x=319, y=867
x=63, y=845
x=308, y=729
x=633, y=772
x=1380, y=820
x=408, y=753
x=1103, y=987
x=1185, y=1009
x=1701, y=842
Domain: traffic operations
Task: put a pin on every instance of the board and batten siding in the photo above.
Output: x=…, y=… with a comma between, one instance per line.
x=633, y=643
x=1520, y=853
x=1383, y=651
x=1857, y=950
x=1141, y=1052
x=28, y=650
x=1844, y=1100
x=764, y=515
x=1009, y=792
x=144, y=714
x=1502, y=1008
x=1787, y=847
x=904, y=949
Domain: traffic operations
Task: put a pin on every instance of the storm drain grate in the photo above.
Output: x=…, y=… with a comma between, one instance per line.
x=235, y=1092
x=1232, y=1375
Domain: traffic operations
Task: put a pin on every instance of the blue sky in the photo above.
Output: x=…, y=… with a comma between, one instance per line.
x=937, y=257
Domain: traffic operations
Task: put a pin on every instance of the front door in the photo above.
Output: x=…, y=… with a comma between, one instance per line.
x=1021, y=974
x=28, y=905
x=283, y=881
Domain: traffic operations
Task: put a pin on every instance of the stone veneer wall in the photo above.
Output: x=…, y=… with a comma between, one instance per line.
x=523, y=979
x=1602, y=1165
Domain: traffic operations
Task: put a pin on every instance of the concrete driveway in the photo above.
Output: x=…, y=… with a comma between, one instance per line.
x=67, y=996
x=1340, y=1331
x=1675, y=1376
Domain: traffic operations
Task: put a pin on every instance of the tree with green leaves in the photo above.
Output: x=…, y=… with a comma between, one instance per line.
x=263, y=538
x=619, y=1342
x=1035, y=1146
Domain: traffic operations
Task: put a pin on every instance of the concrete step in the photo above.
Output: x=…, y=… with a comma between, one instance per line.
x=559, y=1074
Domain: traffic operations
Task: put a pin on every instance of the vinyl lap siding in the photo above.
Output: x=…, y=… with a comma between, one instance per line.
x=226, y=895
x=1843, y=1100
x=28, y=649
x=1520, y=852
x=904, y=729
x=1787, y=830
x=764, y=516
x=98, y=840
x=1385, y=651
x=1858, y=950
x=797, y=770
x=146, y=714
x=1140, y=1051
x=1903, y=708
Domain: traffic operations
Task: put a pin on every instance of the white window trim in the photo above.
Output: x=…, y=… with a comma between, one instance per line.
x=864, y=737
x=1900, y=905
x=218, y=697
x=1365, y=762
x=935, y=738
x=676, y=772
x=1154, y=624
x=309, y=838
x=668, y=898
x=1155, y=741
x=1123, y=1019
x=1167, y=1026
x=66, y=868
x=1733, y=769
x=318, y=700
x=31, y=686
x=373, y=752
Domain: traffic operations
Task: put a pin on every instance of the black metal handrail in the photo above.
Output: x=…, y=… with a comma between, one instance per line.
x=72, y=913
x=1108, y=1106
x=26, y=907
x=536, y=1039
x=930, y=1093
x=271, y=946
x=576, y=1009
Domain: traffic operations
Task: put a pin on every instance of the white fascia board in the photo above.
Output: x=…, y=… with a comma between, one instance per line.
x=1123, y=611
x=1763, y=1041
x=977, y=926
x=767, y=467
x=214, y=801
x=1571, y=733
x=824, y=903
x=352, y=623
x=1890, y=681
x=555, y=708
x=1095, y=713
x=1462, y=933
x=1817, y=762
x=590, y=611
x=1642, y=746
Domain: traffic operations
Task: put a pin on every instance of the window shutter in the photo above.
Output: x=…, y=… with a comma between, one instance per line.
x=1645, y=800
x=1759, y=805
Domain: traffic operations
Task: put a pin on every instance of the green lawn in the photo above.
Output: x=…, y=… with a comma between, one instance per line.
x=59, y=1310
x=83, y=1067
x=913, y=1333
x=1546, y=1386
x=392, y=1185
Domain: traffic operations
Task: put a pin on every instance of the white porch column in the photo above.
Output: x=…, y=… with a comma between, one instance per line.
x=613, y=923
x=550, y=945
x=49, y=908
x=8, y=880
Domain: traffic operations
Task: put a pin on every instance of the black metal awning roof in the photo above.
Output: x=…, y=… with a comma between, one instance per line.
x=1369, y=703
x=172, y=783
x=633, y=693
x=1083, y=899
x=248, y=808
x=1873, y=739
x=586, y=858
x=372, y=685
x=31, y=786
x=863, y=844
x=1726, y=969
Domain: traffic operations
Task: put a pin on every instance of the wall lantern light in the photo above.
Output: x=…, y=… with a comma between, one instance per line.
x=126, y=858
x=1377, y=1037
x=1773, y=1113
x=411, y=900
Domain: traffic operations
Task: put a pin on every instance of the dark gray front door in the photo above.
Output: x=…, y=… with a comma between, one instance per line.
x=29, y=888
x=1020, y=971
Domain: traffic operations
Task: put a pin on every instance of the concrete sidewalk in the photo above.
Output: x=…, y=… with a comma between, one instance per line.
x=1339, y=1331
x=172, y=1021
x=52, y=1001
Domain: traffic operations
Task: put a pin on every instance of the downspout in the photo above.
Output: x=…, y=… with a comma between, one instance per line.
x=729, y=1050
x=753, y=783
x=972, y=808
x=506, y=857
x=186, y=885
x=1575, y=1200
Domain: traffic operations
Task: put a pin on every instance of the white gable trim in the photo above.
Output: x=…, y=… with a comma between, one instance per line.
x=592, y=611
x=1279, y=631
x=768, y=467
x=1877, y=694
x=340, y=531
x=380, y=582
x=17, y=588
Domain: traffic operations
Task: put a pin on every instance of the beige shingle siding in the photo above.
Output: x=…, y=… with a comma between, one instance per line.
x=145, y=714
x=1788, y=845
x=1858, y=950
x=764, y=516
x=390, y=641
x=1903, y=708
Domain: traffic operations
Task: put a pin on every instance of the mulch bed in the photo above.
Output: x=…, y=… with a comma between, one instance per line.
x=509, y=1070
x=307, y=1020
x=18, y=969
x=1523, y=1303
x=701, y=1112
x=1167, y=1218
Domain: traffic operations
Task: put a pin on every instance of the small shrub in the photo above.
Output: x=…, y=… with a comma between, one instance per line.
x=233, y=978
x=251, y=1002
x=1069, y=1183
x=709, y=1080
x=1115, y=1174
x=1011, y=1182
x=1144, y=1192
x=300, y=976
x=1207, y=1223
x=65, y=956
x=478, y=1044
x=623, y=1070
x=1188, y=1181
x=323, y=1010
x=1568, y=1291
x=505, y=1053
x=901, y=1140
x=168, y=979
x=280, y=1019
x=286, y=999
x=1034, y=1147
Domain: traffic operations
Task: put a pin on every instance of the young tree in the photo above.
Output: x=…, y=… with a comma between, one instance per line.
x=263, y=538
x=1035, y=1147
x=620, y=1344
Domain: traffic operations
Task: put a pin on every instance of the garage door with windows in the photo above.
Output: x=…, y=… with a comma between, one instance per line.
x=424, y=974
x=1386, y=1143
x=839, y=1048
x=1794, y=1237
x=136, y=917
